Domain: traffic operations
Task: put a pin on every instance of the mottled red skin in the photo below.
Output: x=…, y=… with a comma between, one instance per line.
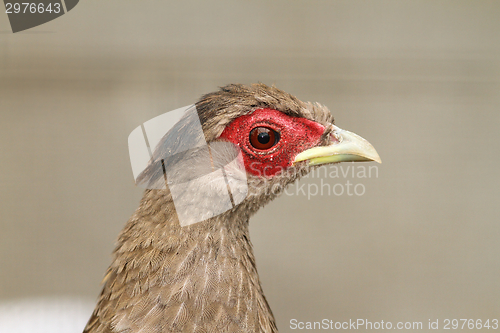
x=297, y=134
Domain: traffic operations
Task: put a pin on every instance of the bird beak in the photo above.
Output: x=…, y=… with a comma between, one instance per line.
x=346, y=147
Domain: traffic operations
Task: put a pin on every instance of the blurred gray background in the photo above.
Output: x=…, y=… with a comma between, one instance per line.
x=419, y=79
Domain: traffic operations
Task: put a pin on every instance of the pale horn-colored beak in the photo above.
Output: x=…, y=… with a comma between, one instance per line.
x=346, y=147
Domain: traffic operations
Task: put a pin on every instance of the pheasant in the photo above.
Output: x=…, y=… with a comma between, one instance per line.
x=177, y=269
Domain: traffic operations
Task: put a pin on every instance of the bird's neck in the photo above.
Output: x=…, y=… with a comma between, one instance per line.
x=166, y=277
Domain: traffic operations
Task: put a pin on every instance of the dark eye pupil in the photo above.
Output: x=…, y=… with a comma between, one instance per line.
x=263, y=138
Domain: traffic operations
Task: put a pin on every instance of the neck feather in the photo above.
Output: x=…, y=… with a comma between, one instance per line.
x=165, y=277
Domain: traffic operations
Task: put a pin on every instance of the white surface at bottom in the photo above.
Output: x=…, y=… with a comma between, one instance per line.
x=45, y=315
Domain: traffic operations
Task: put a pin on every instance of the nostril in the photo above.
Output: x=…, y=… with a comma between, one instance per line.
x=334, y=137
x=330, y=136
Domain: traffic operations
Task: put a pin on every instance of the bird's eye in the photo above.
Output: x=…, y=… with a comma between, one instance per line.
x=263, y=138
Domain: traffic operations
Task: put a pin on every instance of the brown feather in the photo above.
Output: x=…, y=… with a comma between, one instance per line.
x=201, y=277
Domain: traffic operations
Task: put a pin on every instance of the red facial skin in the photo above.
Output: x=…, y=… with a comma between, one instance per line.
x=296, y=135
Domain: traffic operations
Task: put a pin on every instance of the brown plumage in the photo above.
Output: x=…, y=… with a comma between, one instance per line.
x=203, y=277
